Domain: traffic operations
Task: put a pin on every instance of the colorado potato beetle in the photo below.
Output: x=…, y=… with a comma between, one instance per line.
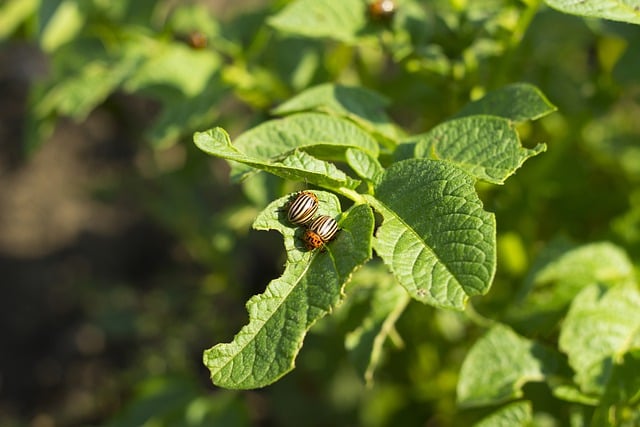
x=382, y=10
x=302, y=209
x=321, y=231
x=312, y=240
x=197, y=40
x=325, y=227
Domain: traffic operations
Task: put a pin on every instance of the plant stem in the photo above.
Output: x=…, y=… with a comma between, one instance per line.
x=351, y=194
x=478, y=318
x=504, y=68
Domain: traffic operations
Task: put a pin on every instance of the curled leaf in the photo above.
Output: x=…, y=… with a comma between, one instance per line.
x=311, y=285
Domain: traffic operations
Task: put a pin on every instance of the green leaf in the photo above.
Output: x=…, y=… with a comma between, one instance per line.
x=338, y=20
x=512, y=415
x=176, y=66
x=297, y=166
x=568, y=391
x=618, y=406
x=615, y=10
x=364, y=165
x=365, y=107
x=436, y=238
x=499, y=364
x=518, y=102
x=487, y=147
x=626, y=226
x=77, y=95
x=321, y=135
x=611, y=138
x=13, y=13
x=172, y=399
x=311, y=286
x=601, y=262
x=60, y=24
x=179, y=118
x=559, y=273
x=365, y=343
x=194, y=17
x=601, y=325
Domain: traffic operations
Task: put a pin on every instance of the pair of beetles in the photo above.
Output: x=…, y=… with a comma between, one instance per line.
x=320, y=230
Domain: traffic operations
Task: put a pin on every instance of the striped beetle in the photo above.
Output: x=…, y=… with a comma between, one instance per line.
x=321, y=231
x=302, y=209
x=312, y=240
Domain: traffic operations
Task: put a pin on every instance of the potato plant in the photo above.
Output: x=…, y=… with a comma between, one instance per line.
x=479, y=157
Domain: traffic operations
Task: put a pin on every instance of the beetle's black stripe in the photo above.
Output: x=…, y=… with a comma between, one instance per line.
x=303, y=208
x=325, y=227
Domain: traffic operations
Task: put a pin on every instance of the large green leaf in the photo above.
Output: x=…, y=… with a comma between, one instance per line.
x=338, y=20
x=616, y=10
x=298, y=165
x=435, y=236
x=487, y=147
x=499, y=364
x=518, y=102
x=359, y=104
x=602, y=324
x=322, y=135
x=310, y=286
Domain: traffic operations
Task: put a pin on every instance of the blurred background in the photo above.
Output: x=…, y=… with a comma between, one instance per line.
x=125, y=252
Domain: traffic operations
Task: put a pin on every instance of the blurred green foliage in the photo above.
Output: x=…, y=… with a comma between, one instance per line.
x=429, y=61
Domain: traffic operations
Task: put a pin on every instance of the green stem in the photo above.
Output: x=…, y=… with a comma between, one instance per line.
x=478, y=318
x=512, y=45
x=351, y=194
x=524, y=22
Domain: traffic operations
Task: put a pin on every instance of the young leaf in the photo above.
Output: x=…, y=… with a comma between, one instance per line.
x=565, y=389
x=487, y=147
x=365, y=107
x=615, y=10
x=388, y=301
x=175, y=66
x=601, y=325
x=297, y=166
x=322, y=135
x=499, y=364
x=177, y=118
x=601, y=262
x=559, y=273
x=338, y=20
x=60, y=24
x=435, y=236
x=13, y=13
x=265, y=349
x=364, y=165
x=518, y=102
x=516, y=414
x=76, y=95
